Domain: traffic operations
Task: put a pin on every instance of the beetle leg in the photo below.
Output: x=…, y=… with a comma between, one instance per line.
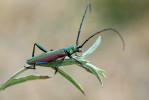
x=38, y=63
x=41, y=62
x=35, y=64
x=56, y=68
x=51, y=49
x=40, y=47
x=76, y=60
x=30, y=67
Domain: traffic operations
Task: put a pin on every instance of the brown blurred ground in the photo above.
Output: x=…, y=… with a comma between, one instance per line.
x=54, y=24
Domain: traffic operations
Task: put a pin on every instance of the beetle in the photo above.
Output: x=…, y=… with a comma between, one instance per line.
x=54, y=54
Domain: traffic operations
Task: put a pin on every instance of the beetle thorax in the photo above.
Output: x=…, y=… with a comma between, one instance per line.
x=71, y=50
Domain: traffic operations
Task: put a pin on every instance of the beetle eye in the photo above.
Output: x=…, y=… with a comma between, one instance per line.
x=70, y=51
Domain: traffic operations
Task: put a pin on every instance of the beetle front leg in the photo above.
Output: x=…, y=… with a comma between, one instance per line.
x=76, y=60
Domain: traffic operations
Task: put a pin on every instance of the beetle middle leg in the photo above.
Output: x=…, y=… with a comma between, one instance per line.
x=56, y=68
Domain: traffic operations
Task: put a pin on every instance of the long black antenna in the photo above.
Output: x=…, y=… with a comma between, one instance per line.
x=77, y=42
x=103, y=31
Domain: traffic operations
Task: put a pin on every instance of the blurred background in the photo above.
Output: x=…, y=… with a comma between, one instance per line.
x=54, y=24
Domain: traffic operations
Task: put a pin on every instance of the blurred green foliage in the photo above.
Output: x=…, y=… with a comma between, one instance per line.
x=121, y=11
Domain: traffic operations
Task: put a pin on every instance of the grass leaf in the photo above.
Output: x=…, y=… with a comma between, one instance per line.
x=25, y=79
x=73, y=81
x=94, y=71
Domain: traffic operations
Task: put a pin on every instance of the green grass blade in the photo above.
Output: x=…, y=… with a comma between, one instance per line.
x=93, y=70
x=25, y=79
x=73, y=81
x=100, y=71
x=92, y=48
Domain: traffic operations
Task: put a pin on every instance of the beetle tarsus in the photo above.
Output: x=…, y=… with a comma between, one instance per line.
x=51, y=49
x=28, y=67
x=34, y=67
x=56, y=70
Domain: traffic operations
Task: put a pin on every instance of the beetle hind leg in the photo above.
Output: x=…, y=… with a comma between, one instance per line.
x=40, y=47
x=27, y=67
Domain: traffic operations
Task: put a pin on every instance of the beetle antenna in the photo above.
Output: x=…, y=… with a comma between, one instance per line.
x=123, y=42
x=88, y=5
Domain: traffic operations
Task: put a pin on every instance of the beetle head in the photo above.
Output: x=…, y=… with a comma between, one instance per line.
x=71, y=50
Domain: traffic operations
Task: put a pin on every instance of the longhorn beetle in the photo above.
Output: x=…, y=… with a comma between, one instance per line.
x=51, y=55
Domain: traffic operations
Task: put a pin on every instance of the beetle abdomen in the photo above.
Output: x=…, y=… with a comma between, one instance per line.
x=46, y=57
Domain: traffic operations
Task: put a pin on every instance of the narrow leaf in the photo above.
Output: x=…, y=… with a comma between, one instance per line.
x=92, y=48
x=73, y=81
x=25, y=79
x=95, y=73
x=100, y=71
